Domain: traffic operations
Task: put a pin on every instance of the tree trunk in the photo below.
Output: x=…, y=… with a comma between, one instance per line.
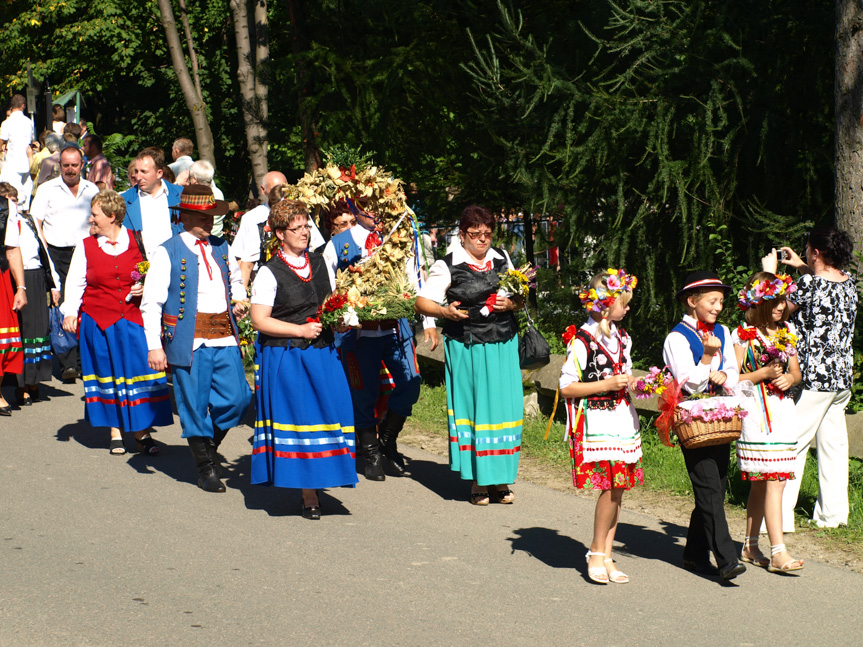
x=194, y=101
x=848, y=90
x=308, y=115
x=250, y=75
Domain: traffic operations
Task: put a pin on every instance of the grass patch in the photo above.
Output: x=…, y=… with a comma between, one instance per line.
x=664, y=469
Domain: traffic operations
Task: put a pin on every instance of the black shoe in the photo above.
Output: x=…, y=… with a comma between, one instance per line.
x=389, y=429
x=69, y=375
x=731, y=570
x=23, y=397
x=6, y=410
x=368, y=448
x=313, y=512
x=700, y=568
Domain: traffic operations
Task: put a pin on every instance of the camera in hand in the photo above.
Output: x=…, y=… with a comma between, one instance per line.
x=781, y=255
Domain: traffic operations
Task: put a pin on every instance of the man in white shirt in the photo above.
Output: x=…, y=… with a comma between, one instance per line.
x=148, y=204
x=181, y=151
x=246, y=247
x=190, y=325
x=61, y=210
x=16, y=133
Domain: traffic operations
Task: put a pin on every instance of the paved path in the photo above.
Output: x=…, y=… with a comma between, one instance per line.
x=101, y=550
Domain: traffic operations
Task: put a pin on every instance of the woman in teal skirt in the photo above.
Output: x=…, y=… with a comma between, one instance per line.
x=483, y=380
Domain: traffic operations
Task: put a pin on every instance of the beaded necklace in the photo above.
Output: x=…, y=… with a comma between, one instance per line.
x=300, y=268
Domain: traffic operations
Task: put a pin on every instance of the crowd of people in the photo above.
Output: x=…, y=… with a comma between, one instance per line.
x=146, y=285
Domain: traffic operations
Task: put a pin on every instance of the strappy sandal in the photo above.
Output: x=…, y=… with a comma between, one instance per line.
x=479, y=498
x=616, y=576
x=761, y=561
x=506, y=496
x=116, y=447
x=596, y=574
x=148, y=446
x=787, y=567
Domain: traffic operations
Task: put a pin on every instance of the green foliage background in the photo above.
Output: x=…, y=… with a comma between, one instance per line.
x=666, y=135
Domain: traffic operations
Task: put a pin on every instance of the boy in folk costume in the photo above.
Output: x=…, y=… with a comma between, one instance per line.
x=190, y=325
x=701, y=357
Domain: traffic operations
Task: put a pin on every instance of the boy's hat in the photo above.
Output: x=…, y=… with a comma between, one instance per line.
x=702, y=279
x=198, y=198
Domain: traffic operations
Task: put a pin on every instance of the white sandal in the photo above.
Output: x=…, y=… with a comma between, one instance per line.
x=788, y=566
x=596, y=574
x=616, y=576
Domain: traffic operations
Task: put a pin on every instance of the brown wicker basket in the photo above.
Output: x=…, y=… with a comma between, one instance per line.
x=706, y=434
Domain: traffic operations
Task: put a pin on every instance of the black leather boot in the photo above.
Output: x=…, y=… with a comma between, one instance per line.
x=218, y=436
x=367, y=445
x=389, y=429
x=202, y=452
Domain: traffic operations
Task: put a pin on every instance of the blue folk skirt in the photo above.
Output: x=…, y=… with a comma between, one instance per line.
x=304, y=427
x=120, y=388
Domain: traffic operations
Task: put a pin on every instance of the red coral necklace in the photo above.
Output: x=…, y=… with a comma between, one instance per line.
x=297, y=270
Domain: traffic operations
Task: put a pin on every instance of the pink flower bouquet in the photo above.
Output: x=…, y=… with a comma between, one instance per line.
x=654, y=383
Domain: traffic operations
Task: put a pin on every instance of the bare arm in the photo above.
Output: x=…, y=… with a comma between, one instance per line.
x=263, y=322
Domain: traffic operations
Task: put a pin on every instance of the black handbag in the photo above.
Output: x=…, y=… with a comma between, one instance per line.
x=533, y=350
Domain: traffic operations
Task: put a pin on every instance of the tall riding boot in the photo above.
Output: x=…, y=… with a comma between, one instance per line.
x=389, y=429
x=208, y=479
x=367, y=442
x=218, y=437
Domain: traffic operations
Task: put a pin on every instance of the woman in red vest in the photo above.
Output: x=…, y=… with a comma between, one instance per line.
x=102, y=294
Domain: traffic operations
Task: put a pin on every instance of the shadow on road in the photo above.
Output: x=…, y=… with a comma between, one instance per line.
x=440, y=479
x=550, y=547
x=275, y=501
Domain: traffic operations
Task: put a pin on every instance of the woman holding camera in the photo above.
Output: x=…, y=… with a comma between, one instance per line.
x=825, y=308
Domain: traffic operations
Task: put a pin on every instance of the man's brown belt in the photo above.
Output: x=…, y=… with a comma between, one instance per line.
x=213, y=326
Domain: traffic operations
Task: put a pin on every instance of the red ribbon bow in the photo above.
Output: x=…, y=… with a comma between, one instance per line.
x=372, y=241
x=203, y=245
x=667, y=402
x=569, y=334
x=705, y=328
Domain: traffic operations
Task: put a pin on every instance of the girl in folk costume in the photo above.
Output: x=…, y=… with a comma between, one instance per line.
x=602, y=425
x=766, y=451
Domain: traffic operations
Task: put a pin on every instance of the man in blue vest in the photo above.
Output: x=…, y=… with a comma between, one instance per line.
x=148, y=203
x=389, y=341
x=190, y=325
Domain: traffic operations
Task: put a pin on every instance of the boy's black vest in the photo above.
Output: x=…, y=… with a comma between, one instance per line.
x=472, y=288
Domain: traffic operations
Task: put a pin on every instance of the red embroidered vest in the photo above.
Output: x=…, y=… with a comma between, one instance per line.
x=109, y=279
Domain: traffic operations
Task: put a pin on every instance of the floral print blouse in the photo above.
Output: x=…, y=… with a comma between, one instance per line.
x=825, y=324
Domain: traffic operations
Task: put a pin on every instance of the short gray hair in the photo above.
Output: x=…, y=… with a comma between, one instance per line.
x=202, y=172
x=53, y=141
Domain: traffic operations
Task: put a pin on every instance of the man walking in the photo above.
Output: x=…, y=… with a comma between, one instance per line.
x=16, y=133
x=148, y=203
x=98, y=169
x=61, y=210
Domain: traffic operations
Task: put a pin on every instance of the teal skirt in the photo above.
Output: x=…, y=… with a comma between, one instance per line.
x=485, y=407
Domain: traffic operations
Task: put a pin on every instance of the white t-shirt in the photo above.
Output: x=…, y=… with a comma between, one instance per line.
x=247, y=243
x=64, y=216
x=17, y=130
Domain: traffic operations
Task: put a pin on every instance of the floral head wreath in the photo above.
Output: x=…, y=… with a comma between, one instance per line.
x=781, y=286
x=605, y=294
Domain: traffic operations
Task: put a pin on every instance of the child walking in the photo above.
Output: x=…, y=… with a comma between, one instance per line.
x=700, y=355
x=602, y=426
x=767, y=449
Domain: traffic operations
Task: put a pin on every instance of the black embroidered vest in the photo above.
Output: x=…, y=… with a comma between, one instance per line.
x=298, y=300
x=600, y=365
x=472, y=288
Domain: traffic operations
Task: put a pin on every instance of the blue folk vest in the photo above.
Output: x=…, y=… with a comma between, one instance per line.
x=347, y=250
x=181, y=307
x=695, y=344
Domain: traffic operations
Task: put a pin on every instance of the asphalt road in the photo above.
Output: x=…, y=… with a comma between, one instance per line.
x=104, y=550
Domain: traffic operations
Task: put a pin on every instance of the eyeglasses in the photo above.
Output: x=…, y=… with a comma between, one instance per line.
x=300, y=228
x=474, y=235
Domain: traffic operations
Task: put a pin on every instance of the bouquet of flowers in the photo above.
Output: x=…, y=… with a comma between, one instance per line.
x=513, y=282
x=782, y=346
x=350, y=307
x=654, y=383
x=138, y=275
x=247, y=334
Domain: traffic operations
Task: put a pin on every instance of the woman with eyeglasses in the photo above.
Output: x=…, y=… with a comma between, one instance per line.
x=483, y=380
x=304, y=432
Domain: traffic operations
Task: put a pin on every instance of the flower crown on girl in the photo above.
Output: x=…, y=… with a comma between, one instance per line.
x=602, y=297
x=781, y=286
